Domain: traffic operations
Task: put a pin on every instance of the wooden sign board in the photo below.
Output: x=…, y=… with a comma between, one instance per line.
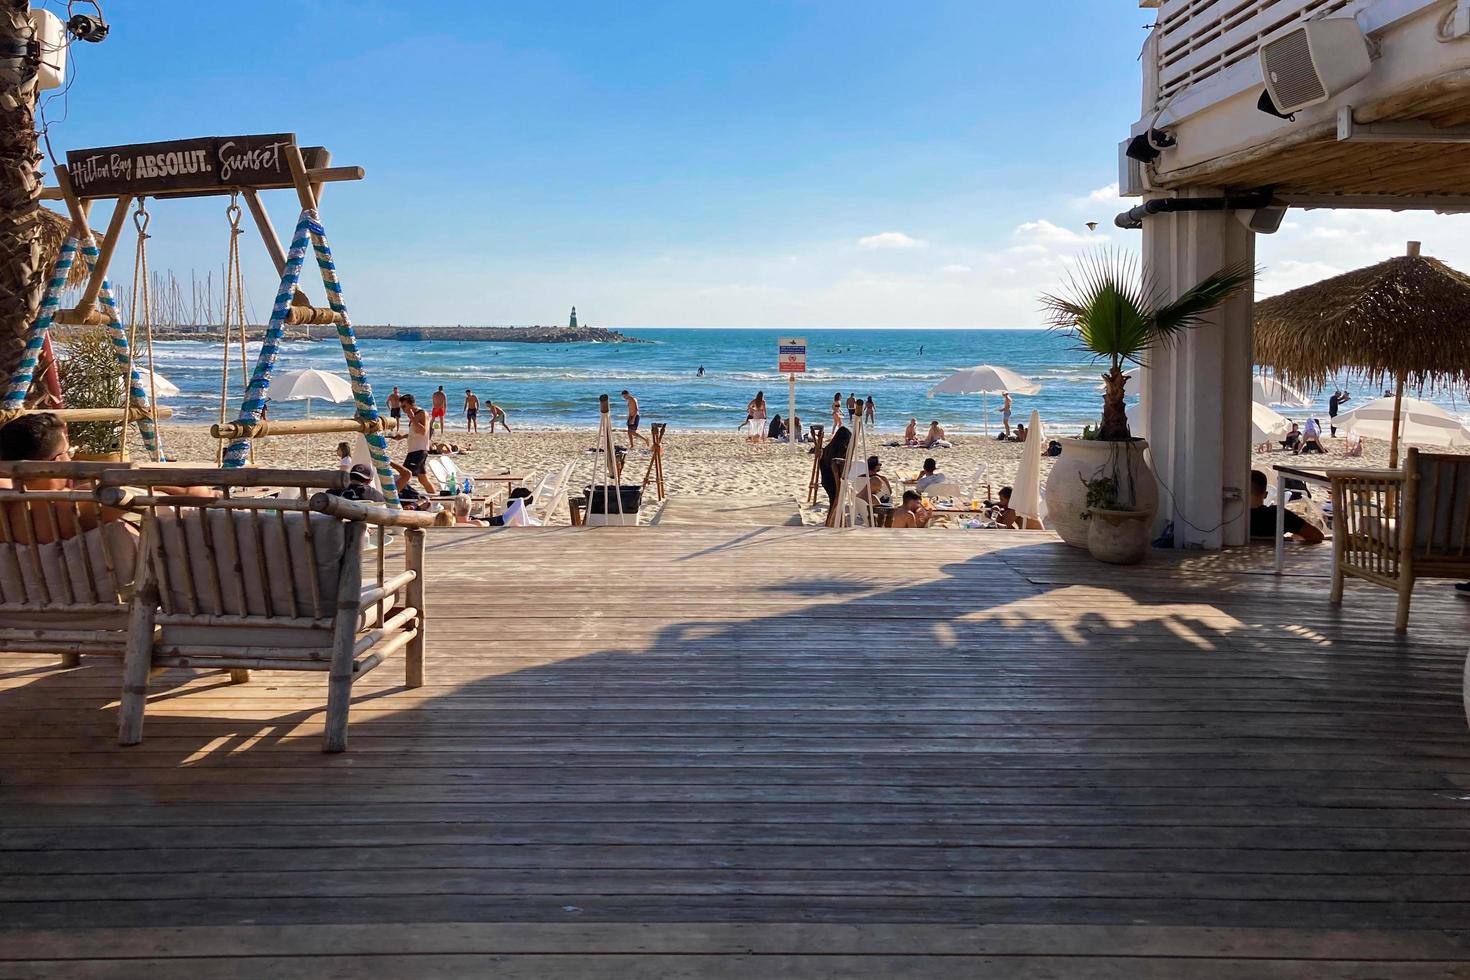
x=205, y=165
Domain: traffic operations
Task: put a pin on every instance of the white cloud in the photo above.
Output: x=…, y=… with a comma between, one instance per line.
x=1105, y=195
x=955, y=269
x=891, y=239
x=1043, y=232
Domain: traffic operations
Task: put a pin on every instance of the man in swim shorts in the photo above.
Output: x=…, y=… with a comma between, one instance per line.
x=633, y=419
x=441, y=409
x=471, y=411
x=417, y=459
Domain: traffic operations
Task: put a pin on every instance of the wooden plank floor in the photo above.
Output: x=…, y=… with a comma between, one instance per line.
x=727, y=752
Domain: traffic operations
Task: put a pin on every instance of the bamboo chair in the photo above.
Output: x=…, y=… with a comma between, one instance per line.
x=69, y=593
x=268, y=584
x=1391, y=527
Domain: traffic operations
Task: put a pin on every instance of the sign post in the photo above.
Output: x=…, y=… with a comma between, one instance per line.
x=791, y=361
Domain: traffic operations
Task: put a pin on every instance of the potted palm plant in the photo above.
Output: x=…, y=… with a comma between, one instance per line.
x=1118, y=316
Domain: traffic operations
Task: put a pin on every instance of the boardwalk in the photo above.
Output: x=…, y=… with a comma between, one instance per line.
x=782, y=752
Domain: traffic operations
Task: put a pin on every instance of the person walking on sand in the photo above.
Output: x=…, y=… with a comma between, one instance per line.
x=471, y=411
x=394, y=410
x=837, y=411
x=1333, y=404
x=416, y=461
x=1005, y=412
x=868, y=411
x=756, y=413
x=852, y=404
x=633, y=419
x=440, y=403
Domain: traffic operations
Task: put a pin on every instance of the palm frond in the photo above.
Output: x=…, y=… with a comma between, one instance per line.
x=1173, y=318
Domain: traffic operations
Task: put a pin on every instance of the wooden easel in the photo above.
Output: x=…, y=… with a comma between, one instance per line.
x=656, y=465
x=816, y=482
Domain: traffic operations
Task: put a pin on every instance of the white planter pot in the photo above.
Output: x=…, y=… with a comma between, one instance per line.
x=1118, y=537
x=1084, y=459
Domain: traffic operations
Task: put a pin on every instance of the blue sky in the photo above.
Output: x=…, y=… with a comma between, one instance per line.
x=823, y=163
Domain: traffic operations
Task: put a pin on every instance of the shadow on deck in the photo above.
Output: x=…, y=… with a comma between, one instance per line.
x=827, y=751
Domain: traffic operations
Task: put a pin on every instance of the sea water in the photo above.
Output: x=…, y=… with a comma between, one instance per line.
x=556, y=385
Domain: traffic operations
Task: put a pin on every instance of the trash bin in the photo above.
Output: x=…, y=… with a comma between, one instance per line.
x=604, y=511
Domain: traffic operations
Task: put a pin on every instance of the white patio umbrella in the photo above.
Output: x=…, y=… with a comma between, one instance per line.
x=1420, y=422
x=1267, y=424
x=294, y=386
x=1026, y=492
x=162, y=387
x=984, y=379
x=1269, y=390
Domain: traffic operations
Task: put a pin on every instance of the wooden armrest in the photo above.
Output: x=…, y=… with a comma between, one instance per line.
x=1377, y=475
x=358, y=510
x=198, y=476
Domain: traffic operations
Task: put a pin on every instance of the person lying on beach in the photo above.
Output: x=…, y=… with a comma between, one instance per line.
x=911, y=433
x=1263, y=518
x=911, y=512
x=935, y=436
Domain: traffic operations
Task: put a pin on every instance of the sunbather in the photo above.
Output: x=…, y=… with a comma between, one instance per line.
x=911, y=433
x=935, y=436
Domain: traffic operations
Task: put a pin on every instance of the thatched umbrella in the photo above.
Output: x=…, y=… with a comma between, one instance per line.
x=1401, y=322
x=54, y=228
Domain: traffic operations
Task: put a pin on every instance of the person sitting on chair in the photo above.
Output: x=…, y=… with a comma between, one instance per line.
x=875, y=486
x=929, y=476
x=360, y=486
x=911, y=512
x=1263, y=518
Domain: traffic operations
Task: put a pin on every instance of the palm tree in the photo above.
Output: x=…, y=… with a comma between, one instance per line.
x=22, y=275
x=1116, y=315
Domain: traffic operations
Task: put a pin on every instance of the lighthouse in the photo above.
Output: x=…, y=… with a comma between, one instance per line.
x=573, y=324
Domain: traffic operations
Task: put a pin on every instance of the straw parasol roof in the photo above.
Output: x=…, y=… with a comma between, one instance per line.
x=1397, y=322
x=53, y=232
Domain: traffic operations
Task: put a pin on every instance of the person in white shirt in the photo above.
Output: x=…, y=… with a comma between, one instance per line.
x=929, y=476
x=1311, y=437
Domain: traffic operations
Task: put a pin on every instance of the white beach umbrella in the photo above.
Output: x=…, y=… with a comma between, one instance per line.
x=1420, y=422
x=161, y=387
x=294, y=386
x=1268, y=390
x=1267, y=424
x=1026, y=492
x=984, y=379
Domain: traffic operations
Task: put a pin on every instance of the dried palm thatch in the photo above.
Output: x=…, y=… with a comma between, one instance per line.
x=54, y=228
x=1400, y=322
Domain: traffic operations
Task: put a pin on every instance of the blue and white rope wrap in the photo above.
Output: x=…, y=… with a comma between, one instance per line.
x=256, y=393
x=20, y=381
x=309, y=227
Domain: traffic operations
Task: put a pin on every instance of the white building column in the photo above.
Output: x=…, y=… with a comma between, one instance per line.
x=1196, y=396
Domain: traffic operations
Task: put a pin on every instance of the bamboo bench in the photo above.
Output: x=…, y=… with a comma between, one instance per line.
x=267, y=583
x=65, y=579
x=1393, y=527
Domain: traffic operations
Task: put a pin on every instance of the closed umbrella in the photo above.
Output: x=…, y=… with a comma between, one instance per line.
x=294, y=386
x=1267, y=390
x=1420, y=423
x=1026, y=493
x=984, y=379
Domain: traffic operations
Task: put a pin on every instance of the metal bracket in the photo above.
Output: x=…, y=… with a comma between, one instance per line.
x=1396, y=132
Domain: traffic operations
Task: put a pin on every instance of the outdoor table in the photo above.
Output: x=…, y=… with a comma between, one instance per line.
x=1316, y=477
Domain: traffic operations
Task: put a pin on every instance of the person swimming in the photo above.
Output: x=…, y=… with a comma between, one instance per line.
x=700, y=372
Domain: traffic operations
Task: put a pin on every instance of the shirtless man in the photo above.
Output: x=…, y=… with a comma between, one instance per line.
x=417, y=459
x=935, y=434
x=852, y=404
x=633, y=420
x=911, y=433
x=497, y=414
x=395, y=411
x=471, y=412
x=1005, y=412
x=441, y=409
x=911, y=513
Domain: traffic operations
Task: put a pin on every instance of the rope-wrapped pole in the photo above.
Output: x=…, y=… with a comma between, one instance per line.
x=362, y=391
x=19, y=381
x=260, y=380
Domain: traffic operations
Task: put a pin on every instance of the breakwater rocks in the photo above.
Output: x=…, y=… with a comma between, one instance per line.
x=520, y=335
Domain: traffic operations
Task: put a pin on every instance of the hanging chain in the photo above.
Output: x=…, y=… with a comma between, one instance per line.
x=138, y=311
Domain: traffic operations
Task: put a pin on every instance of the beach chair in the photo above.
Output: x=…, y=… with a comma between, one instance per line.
x=1392, y=527
x=69, y=593
x=551, y=493
x=267, y=583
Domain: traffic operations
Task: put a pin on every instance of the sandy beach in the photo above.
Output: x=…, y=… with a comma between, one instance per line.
x=696, y=462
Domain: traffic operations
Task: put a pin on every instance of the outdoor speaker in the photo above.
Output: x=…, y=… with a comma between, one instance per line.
x=1313, y=62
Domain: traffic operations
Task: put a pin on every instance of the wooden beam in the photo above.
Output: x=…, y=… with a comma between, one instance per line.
x=267, y=230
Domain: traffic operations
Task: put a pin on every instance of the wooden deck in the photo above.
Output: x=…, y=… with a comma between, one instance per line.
x=782, y=752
